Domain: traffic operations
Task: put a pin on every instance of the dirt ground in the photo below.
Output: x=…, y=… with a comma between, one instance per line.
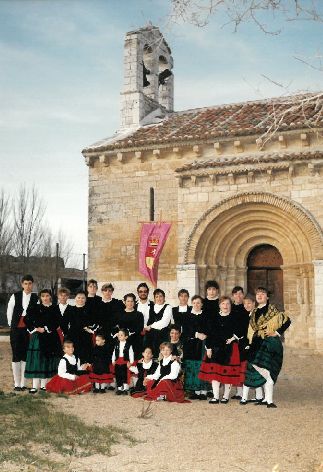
x=210, y=438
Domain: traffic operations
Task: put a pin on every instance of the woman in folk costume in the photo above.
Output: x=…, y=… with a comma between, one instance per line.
x=222, y=362
x=249, y=304
x=164, y=383
x=159, y=320
x=72, y=377
x=267, y=325
x=193, y=336
x=78, y=326
x=45, y=347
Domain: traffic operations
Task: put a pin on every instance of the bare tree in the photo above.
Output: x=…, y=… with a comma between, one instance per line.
x=199, y=12
x=28, y=230
x=5, y=224
x=66, y=246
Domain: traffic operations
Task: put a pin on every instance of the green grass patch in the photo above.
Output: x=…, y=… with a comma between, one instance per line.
x=34, y=435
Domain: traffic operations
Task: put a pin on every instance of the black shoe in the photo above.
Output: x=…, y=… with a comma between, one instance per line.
x=111, y=388
x=23, y=389
x=119, y=392
x=43, y=389
x=202, y=397
x=236, y=397
x=194, y=396
x=95, y=390
x=224, y=400
x=214, y=401
x=102, y=390
x=260, y=402
x=243, y=402
x=125, y=392
x=33, y=390
x=17, y=389
x=271, y=405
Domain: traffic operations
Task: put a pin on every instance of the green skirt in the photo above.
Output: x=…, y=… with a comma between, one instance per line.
x=191, y=380
x=37, y=365
x=269, y=356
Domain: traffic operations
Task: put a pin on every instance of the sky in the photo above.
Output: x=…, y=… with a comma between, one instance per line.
x=61, y=77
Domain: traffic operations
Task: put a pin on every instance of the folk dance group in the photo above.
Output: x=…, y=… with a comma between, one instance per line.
x=147, y=348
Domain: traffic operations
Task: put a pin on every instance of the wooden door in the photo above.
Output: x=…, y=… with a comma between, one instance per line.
x=264, y=270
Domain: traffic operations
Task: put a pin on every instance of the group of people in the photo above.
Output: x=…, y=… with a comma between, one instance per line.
x=147, y=348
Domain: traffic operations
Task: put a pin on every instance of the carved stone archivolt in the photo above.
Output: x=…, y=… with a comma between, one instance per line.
x=227, y=232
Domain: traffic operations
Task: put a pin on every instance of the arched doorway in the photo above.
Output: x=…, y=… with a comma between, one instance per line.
x=264, y=269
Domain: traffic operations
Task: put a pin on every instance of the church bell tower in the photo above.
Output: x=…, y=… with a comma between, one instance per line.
x=148, y=77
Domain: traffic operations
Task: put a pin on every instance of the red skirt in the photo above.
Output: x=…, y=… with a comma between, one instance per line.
x=226, y=374
x=81, y=384
x=101, y=378
x=172, y=390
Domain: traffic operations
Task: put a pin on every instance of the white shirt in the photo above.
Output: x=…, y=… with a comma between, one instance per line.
x=11, y=305
x=62, y=308
x=62, y=367
x=167, y=316
x=121, y=349
x=146, y=366
x=144, y=308
x=175, y=369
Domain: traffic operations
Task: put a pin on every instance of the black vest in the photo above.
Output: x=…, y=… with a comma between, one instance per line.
x=18, y=308
x=70, y=368
x=125, y=351
x=153, y=316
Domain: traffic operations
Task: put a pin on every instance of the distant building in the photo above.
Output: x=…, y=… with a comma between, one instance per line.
x=45, y=272
x=241, y=183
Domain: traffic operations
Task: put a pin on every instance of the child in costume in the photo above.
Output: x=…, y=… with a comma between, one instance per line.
x=72, y=377
x=164, y=383
x=100, y=375
x=146, y=366
x=122, y=358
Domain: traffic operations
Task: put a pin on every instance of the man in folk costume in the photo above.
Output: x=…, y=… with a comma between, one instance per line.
x=267, y=325
x=19, y=338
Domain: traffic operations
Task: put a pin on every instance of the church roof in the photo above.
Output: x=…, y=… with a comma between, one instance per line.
x=216, y=122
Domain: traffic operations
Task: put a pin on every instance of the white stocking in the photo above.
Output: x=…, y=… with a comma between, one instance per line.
x=259, y=393
x=43, y=383
x=22, y=373
x=245, y=393
x=269, y=390
x=227, y=389
x=16, y=373
x=216, y=389
x=36, y=383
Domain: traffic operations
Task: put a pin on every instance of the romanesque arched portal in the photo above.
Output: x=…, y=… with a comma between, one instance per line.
x=221, y=240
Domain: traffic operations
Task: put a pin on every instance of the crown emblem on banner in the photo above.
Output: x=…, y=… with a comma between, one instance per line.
x=154, y=241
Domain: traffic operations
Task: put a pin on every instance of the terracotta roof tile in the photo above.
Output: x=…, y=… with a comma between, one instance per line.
x=239, y=119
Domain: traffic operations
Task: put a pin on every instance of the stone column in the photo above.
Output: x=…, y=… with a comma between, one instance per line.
x=187, y=277
x=318, y=302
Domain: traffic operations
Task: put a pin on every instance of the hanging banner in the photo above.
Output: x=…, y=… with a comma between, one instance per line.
x=152, y=239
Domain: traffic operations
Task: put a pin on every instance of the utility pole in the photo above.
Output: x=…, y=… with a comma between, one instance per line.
x=56, y=268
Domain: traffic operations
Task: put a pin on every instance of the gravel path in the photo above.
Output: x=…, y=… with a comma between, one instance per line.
x=212, y=438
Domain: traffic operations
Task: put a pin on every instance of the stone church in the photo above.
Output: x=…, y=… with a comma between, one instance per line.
x=242, y=185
